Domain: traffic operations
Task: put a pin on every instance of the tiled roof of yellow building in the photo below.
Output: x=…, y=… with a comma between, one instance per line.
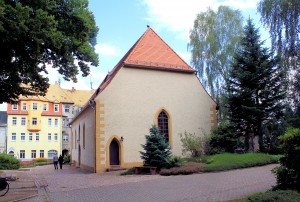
x=57, y=94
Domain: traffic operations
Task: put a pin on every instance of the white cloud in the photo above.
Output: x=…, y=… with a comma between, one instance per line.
x=178, y=16
x=107, y=49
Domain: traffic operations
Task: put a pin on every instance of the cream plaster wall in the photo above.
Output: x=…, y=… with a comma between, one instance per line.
x=134, y=97
x=87, y=150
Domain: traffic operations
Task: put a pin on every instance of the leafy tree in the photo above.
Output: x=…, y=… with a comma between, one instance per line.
x=157, y=151
x=213, y=40
x=34, y=33
x=282, y=19
x=288, y=174
x=257, y=87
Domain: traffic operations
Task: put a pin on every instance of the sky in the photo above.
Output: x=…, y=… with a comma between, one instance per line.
x=121, y=23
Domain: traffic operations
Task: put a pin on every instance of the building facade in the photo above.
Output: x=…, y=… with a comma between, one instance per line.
x=150, y=85
x=37, y=127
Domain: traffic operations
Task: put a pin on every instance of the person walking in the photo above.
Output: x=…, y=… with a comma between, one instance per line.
x=55, y=161
x=60, y=161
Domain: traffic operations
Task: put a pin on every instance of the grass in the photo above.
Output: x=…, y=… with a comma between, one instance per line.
x=279, y=195
x=228, y=161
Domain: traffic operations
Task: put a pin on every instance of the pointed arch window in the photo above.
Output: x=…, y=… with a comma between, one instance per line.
x=163, y=124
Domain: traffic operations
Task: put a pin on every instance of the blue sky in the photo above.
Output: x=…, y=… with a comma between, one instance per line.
x=121, y=23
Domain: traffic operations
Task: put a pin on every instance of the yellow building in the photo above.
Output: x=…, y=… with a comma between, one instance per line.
x=150, y=85
x=37, y=126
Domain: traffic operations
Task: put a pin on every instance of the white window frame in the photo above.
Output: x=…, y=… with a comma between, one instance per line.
x=66, y=138
x=49, y=121
x=56, y=107
x=23, y=121
x=34, y=106
x=14, y=121
x=30, y=137
x=14, y=107
x=45, y=107
x=22, y=137
x=37, y=137
x=49, y=136
x=67, y=108
x=33, y=154
x=24, y=106
x=56, y=122
x=42, y=153
x=13, y=136
x=55, y=136
x=34, y=121
x=22, y=154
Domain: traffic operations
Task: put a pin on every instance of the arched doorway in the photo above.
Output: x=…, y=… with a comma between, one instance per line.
x=114, y=154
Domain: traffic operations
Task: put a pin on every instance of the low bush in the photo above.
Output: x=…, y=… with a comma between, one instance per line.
x=130, y=171
x=8, y=162
x=227, y=161
x=189, y=168
x=275, y=196
x=174, y=161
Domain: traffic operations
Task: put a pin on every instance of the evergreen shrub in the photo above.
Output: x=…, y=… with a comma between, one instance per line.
x=288, y=173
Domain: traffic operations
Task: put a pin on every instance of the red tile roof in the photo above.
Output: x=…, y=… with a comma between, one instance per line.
x=150, y=52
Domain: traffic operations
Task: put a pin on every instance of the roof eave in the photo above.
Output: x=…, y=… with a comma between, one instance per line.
x=159, y=68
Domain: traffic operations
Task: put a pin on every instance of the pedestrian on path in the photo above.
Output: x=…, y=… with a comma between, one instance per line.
x=55, y=161
x=60, y=160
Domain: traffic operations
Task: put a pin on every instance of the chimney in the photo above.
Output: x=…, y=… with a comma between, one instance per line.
x=73, y=90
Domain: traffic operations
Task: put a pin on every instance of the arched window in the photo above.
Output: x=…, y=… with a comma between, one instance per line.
x=163, y=124
x=11, y=153
x=51, y=153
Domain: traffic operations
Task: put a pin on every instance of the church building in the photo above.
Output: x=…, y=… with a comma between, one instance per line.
x=150, y=85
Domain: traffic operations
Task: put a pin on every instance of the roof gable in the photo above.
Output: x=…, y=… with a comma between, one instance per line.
x=151, y=51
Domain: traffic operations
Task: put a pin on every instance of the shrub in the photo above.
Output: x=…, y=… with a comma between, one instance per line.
x=174, y=161
x=275, y=196
x=157, y=150
x=186, y=169
x=224, y=139
x=288, y=174
x=193, y=144
x=8, y=162
x=41, y=161
x=67, y=158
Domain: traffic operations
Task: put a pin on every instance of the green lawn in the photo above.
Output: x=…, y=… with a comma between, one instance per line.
x=228, y=161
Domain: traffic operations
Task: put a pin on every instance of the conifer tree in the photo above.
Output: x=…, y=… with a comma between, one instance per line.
x=157, y=150
x=257, y=87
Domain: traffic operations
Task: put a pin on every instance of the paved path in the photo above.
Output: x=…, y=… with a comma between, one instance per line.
x=71, y=184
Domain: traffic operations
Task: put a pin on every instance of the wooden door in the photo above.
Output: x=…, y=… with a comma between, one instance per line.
x=114, y=153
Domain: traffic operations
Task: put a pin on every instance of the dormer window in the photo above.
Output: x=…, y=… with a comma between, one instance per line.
x=56, y=108
x=15, y=107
